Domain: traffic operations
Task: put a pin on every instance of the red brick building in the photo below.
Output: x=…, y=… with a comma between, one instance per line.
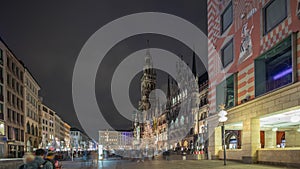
x=254, y=69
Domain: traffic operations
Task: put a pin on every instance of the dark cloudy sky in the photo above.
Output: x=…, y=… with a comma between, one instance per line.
x=48, y=36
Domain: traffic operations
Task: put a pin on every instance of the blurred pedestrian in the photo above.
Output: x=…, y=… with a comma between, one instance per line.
x=53, y=158
x=29, y=163
x=39, y=160
x=94, y=157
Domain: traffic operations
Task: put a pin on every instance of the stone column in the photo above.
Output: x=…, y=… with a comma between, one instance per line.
x=270, y=139
x=292, y=138
x=250, y=140
x=214, y=137
x=215, y=143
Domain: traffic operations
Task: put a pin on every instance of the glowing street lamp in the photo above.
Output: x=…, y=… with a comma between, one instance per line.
x=222, y=119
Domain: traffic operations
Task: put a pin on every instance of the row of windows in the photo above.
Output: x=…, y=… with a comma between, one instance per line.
x=75, y=133
x=273, y=70
x=48, y=111
x=50, y=136
x=45, y=109
x=273, y=13
x=180, y=97
x=32, y=100
x=14, y=84
x=15, y=117
x=45, y=128
x=33, y=130
x=15, y=101
x=15, y=134
x=14, y=69
x=33, y=115
x=45, y=122
x=31, y=87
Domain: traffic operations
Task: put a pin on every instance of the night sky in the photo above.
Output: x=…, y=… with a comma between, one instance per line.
x=48, y=36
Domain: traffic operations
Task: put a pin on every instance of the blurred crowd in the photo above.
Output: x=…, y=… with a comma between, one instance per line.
x=41, y=159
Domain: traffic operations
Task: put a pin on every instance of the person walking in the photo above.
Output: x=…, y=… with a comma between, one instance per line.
x=39, y=160
x=29, y=163
x=94, y=157
x=53, y=158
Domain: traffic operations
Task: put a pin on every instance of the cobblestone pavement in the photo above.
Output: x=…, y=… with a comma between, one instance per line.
x=160, y=164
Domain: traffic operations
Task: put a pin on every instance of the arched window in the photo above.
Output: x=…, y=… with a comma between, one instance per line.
x=232, y=139
x=28, y=127
x=36, y=131
x=204, y=115
x=32, y=129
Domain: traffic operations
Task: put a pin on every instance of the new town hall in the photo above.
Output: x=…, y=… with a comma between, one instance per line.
x=179, y=123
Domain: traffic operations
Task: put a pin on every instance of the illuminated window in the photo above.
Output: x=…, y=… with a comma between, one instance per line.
x=2, y=126
x=274, y=69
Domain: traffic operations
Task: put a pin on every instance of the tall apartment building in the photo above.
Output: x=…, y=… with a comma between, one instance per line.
x=31, y=97
x=59, y=133
x=11, y=104
x=47, y=122
x=258, y=46
x=54, y=131
x=66, y=136
x=25, y=123
x=3, y=112
x=200, y=129
x=79, y=140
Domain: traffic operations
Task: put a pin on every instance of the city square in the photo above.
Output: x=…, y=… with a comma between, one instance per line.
x=176, y=164
x=150, y=84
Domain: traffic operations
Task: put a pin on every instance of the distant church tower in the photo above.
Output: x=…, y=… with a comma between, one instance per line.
x=148, y=83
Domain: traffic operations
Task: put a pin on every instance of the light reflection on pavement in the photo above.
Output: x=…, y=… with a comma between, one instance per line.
x=161, y=164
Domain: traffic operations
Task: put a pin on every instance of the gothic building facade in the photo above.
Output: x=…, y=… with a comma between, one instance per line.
x=178, y=122
x=147, y=104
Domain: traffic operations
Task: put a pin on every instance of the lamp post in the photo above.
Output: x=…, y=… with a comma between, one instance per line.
x=222, y=114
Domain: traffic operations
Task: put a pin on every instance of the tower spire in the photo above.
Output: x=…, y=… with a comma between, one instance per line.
x=168, y=94
x=194, y=68
x=168, y=89
x=148, y=58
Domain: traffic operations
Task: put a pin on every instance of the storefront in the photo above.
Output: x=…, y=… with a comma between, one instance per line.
x=15, y=150
x=269, y=124
x=2, y=139
x=259, y=128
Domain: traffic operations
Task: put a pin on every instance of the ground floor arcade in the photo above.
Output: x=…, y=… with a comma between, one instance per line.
x=266, y=129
